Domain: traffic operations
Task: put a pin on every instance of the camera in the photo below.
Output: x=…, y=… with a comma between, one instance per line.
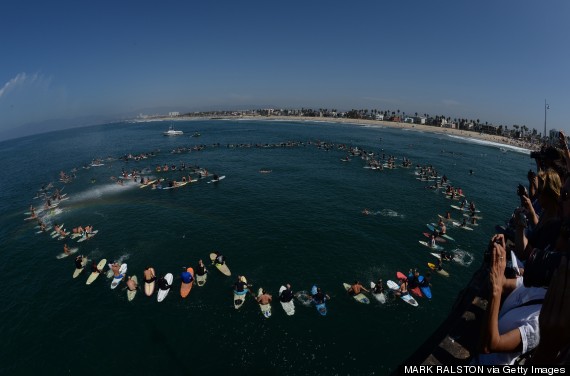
x=540, y=266
x=521, y=190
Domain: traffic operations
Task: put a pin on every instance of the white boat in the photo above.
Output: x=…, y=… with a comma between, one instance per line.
x=172, y=132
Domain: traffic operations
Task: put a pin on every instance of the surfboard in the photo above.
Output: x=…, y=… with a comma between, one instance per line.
x=288, y=307
x=84, y=237
x=119, y=278
x=186, y=287
x=437, y=238
x=380, y=297
x=217, y=180
x=406, y=298
x=147, y=184
x=361, y=298
x=201, y=279
x=149, y=286
x=426, y=244
x=426, y=290
x=221, y=267
x=78, y=271
x=265, y=308
x=457, y=224
x=434, y=267
x=63, y=255
x=472, y=216
x=94, y=275
x=163, y=293
x=131, y=293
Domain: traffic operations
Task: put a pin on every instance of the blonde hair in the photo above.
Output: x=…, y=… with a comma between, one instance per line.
x=551, y=183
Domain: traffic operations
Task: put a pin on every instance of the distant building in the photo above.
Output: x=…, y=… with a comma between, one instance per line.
x=409, y=120
x=174, y=113
x=379, y=116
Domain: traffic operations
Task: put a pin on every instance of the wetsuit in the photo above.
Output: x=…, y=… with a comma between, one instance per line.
x=201, y=270
x=163, y=284
x=319, y=298
x=78, y=262
x=286, y=296
x=240, y=286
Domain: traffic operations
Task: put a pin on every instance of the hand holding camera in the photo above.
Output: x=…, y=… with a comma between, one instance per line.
x=498, y=263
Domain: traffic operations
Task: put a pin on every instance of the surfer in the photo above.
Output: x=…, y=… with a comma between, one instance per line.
x=287, y=294
x=66, y=249
x=264, y=298
x=79, y=262
x=379, y=287
x=201, y=269
x=403, y=287
x=240, y=287
x=94, y=268
x=149, y=275
x=356, y=288
x=163, y=284
x=131, y=284
x=320, y=297
x=432, y=241
x=220, y=259
x=115, y=268
x=442, y=227
x=215, y=177
x=365, y=211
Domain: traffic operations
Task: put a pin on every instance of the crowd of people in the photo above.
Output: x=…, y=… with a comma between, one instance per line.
x=528, y=312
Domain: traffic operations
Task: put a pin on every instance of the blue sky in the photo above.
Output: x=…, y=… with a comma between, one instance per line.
x=496, y=61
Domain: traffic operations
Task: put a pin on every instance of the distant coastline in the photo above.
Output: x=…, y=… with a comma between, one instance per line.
x=519, y=145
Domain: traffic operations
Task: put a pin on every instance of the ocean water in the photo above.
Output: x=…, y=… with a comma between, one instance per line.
x=301, y=224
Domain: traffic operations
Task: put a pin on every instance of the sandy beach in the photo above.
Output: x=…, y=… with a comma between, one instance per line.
x=364, y=122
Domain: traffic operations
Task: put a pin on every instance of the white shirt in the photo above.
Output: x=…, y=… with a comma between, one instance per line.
x=513, y=316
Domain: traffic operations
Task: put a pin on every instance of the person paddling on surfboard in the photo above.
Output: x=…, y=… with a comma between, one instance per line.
x=163, y=284
x=220, y=259
x=79, y=262
x=115, y=268
x=320, y=297
x=149, y=276
x=379, y=287
x=131, y=284
x=66, y=249
x=201, y=269
x=264, y=298
x=286, y=295
x=241, y=286
x=94, y=268
x=356, y=288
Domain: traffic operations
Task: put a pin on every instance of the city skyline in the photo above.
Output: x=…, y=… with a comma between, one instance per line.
x=497, y=62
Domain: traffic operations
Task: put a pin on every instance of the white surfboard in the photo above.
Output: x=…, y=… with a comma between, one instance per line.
x=63, y=255
x=288, y=307
x=84, y=237
x=217, y=180
x=119, y=278
x=163, y=293
x=407, y=298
